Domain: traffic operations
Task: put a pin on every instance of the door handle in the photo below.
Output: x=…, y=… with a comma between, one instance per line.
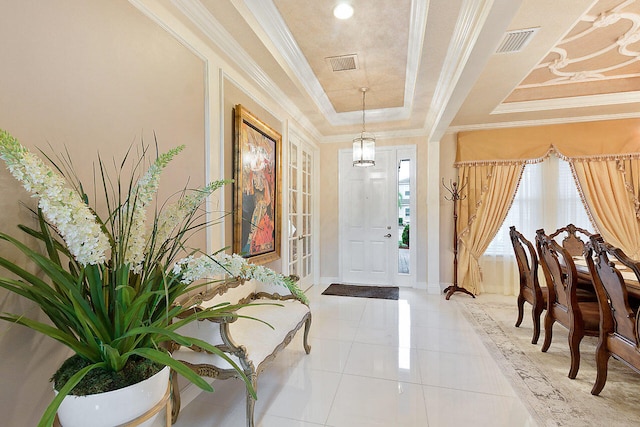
x=387, y=235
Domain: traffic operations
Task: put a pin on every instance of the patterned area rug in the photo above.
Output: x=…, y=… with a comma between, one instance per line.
x=382, y=292
x=540, y=379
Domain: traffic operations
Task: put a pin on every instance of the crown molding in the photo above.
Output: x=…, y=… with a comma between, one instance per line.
x=266, y=13
x=396, y=134
x=470, y=22
x=564, y=103
x=217, y=34
x=543, y=122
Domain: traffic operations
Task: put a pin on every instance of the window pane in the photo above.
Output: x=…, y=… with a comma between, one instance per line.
x=548, y=198
x=526, y=211
x=570, y=207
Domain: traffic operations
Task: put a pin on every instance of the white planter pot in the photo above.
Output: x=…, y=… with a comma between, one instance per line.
x=115, y=407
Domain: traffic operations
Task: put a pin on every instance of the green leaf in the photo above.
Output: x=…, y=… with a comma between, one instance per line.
x=182, y=369
x=114, y=360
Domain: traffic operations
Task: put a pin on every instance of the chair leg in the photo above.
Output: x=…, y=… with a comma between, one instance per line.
x=548, y=332
x=305, y=342
x=535, y=314
x=602, y=361
x=520, y=310
x=574, y=348
x=175, y=396
x=251, y=402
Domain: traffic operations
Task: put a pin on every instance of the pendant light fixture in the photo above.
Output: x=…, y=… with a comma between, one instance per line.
x=364, y=146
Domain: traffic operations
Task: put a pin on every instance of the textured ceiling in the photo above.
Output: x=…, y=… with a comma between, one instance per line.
x=598, y=56
x=431, y=65
x=378, y=37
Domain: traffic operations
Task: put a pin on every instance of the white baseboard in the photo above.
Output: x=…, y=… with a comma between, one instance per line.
x=435, y=288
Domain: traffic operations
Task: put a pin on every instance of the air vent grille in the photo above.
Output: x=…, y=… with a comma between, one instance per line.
x=515, y=41
x=343, y=62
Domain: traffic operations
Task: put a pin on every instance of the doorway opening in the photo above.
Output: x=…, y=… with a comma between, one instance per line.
x=376, y=212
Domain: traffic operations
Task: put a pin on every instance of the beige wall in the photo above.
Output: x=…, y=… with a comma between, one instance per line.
x=447, y=172
x=329, y=187
x=88, y=77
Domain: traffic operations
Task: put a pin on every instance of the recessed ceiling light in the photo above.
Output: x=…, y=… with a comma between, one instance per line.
x=343, y=11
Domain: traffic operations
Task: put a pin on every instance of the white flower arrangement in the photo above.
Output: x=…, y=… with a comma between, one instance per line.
x=110, y=283
x=60, y=205
x=192, y=269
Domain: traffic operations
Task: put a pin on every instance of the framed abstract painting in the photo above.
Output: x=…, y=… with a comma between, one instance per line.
x=257, y=192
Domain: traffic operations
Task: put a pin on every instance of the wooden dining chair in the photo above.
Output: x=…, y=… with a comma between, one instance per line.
x=618, y=320
x=563, y=306
x=574, y=240
x=530, y=290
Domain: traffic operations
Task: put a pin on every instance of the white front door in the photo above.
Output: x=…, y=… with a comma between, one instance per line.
x=368, y=219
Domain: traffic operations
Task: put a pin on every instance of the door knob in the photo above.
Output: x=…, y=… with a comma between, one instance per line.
x=387, y=235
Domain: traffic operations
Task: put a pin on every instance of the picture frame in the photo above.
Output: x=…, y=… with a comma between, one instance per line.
x=257, y=188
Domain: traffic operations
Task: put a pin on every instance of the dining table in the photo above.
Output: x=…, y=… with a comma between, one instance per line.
x=630, y=279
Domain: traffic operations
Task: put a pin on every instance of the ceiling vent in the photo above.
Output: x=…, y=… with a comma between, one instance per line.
x=515, y=41
x=343, y=62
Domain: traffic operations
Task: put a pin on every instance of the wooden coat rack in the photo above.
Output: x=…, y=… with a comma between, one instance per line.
x=456, y=196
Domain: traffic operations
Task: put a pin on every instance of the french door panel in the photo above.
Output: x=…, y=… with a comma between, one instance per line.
x=300, y=218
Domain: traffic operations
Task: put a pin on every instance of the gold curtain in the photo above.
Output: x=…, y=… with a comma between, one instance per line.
x=610, y=188
x=605, y=157
x=489, y=190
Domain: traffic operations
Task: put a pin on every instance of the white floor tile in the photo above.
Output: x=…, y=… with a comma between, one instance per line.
x=454, y=408
x=273, y=421
x=463, y=372
x=384, y=362
x=303, y=394
x=333, y=329
x=371, y=402
x=459, y=341
x=373, y=363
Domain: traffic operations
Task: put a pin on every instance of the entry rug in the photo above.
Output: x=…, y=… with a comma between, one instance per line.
x=540, y=379
x=382, y=292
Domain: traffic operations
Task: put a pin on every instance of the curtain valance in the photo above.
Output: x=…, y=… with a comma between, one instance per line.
x=604, y=157
x=610, y=139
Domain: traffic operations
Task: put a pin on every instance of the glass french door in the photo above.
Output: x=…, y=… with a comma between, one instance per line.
x=300, y=220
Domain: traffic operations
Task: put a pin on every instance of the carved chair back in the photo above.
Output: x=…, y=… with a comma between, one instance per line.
x=618, y=320
x=560, y=273
x=530, y=290
x=572, y=242
x=610, y=287
x=526, y=259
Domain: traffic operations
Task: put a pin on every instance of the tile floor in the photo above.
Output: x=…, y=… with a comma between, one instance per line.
x=415, y=362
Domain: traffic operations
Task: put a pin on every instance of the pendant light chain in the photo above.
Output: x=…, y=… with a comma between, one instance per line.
x=364, y=145
x=364, y=93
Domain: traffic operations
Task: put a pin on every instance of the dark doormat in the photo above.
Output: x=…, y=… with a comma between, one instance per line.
x=382, y=292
